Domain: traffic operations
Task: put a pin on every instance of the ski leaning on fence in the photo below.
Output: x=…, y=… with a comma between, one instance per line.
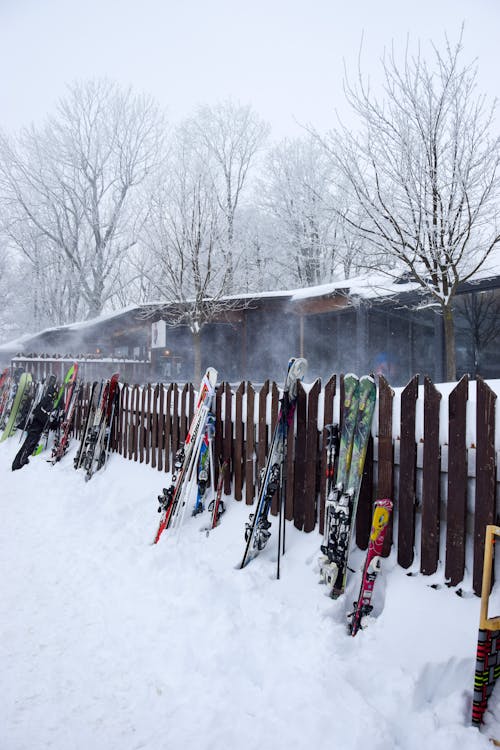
x=342, y=500
x=362, y=608
x=205, y=465
x=273, y=475
x=216, y=507
x=19, y=394
x=65, y=424
x=173, y=500
x=96, y=436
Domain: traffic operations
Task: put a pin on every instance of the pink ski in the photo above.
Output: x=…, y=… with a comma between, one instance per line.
x=381, y=515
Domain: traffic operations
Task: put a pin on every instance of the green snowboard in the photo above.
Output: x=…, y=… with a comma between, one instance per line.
x=21, y=393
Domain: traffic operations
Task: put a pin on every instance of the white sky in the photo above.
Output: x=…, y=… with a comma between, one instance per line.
x=285, y=57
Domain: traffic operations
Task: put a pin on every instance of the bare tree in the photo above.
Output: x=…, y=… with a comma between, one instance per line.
x=480, y=314
x=424, y=169
x=183, y=235
x=297, y=192
x=229, y=135
x=71, y=180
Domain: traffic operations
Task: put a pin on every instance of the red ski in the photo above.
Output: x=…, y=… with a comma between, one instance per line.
x=172, y=503
x=61, y=441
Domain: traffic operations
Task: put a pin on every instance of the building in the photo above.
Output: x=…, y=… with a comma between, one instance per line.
x=367, y=324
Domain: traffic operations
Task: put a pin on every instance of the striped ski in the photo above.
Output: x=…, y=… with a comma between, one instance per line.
x=341, y=506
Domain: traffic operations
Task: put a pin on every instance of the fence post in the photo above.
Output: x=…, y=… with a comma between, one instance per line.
x=168, y=426
x=385, y=465
x=485, y=496
x=175, y=419
x=407, y=474
x=250, y=446
x=431, y=495
x=311, y=464
x=457, y=483
x=300, y=458
x=142, y=424
x=161, y=426
x=238, y=443
x=228, y=438
x=262, y=430
x=329, y=396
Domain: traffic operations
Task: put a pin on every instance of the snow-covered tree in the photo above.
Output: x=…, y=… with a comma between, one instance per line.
x=424, y=169
x=228, y=136
x=70, y=183
x=183, y=235
x=297, y=191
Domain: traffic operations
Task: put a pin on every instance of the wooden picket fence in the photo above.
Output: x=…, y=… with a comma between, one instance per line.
x=431, y=480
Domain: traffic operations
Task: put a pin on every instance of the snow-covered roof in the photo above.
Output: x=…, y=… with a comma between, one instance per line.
x=368, y=286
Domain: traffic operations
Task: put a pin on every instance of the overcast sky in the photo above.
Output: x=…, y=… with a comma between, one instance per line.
x=285, y=57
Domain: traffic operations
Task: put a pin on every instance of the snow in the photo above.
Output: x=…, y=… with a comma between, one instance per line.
x=110, y=643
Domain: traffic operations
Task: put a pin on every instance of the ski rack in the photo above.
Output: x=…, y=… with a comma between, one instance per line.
x=488, y=645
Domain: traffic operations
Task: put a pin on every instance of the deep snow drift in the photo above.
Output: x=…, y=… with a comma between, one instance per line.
x=110, y=643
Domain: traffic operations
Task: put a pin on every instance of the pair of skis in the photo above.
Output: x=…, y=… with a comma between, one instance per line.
x=189, y=460
x=342, y=495
x=96, y=437
x=257, y=529
x=71, y=391
x=342, y=498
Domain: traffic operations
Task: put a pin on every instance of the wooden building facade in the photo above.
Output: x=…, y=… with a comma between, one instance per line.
x=336, y=328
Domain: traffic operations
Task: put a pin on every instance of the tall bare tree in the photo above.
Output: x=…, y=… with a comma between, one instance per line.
x=70, y=181
x=296, y=191
x=229, y=135
x=424, y=168
x=183, y=236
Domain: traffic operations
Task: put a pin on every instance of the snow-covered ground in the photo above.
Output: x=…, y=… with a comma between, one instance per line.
x=110, y=643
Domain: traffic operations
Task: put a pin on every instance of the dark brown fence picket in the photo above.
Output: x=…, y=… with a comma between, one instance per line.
x=457, y=483
x=238, y=444
x=365, y=501
x=485, y=490
x=184, y=410
x=167, y=440
x=300, y=459
x=160, y=438
x=175, y=420
x=311, y=456
x=134, y=422
x=192, y=400
x=385, y=458
x=227, y=454
x=329, y=397
x=142, y=425
x=262, y=429
x=219, y=429
x=431, y=495
x=407, y=475
x=154, y=425
x=250, y=446
x=125, y=419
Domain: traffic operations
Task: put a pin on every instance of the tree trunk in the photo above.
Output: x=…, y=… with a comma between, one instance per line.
x=449, y=343
x=197, y=356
